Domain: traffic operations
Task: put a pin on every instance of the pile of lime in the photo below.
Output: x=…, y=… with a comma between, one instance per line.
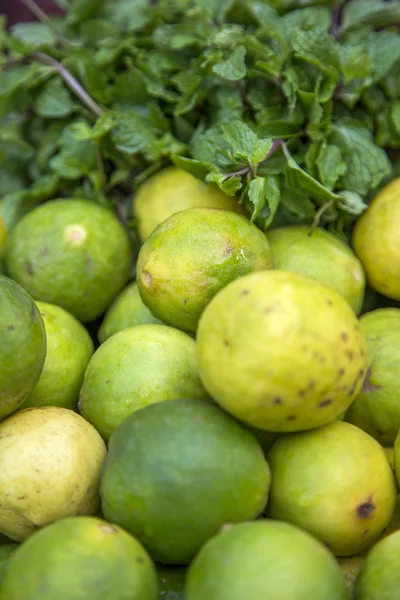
x=210, y=414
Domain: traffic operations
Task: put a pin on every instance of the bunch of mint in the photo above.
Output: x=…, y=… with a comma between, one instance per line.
x=296, y=111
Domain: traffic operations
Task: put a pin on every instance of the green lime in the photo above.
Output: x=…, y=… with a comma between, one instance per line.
x=22, y=345
x=69, y=348
x=350, y=567
x=51, y=461
x=80, y=558
x=73, y=253
x=281, y=351
x=172, y=190
x=177, y=471
x=376, y=408
x=346, y=497
x=379, y=578
x=322, y=255
x=136, y=367
x=264, y=560
x=191, y=256
x=126, y=311
x=6, y=553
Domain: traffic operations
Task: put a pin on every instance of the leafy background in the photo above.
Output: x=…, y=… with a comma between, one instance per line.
x=296, y=111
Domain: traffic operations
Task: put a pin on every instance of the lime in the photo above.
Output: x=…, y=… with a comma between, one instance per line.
x=377, y=243
x=80, y=558
x=6, y=553
x=51, y=461
x=264, y=559
x=346, y=498
x=136, y=367
x=73, y=253
x=172, y=190
x=322, y=255
x=281, y=351
x=177, y=471
x=126, y=311
x=379, y=578
x=376, y=409
x=22, y=345
x=191, y=256
x=69, y=348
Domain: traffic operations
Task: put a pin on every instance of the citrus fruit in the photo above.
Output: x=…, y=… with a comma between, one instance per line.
x=346, y=497
x=22, y=345
x=377, y=243
x=3, y=237
x=177, y=471
x=322, y=255
x=281, y=351
x=379, y=578
x=6, y=553
x=73, y=253
x=126, y=311
x=172, y=190
x=191, y=256
x=69, y=348
x=264, y=559
x=80, y=558
x=51, y=461
x=136, y=367
x=376, y=408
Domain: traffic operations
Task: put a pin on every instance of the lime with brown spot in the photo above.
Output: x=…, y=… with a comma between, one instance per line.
x=22, y=345
x=126, y=311
x=191, y=256
x=70, y=252
x=69, y=348
x=335, y=482
x=281, y=351
x=172, y=190
x=80, y=558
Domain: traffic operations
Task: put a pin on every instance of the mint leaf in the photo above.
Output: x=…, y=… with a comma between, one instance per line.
x=385, y=53
x=97, y=32
x=234, y=67
x=132, y=133
x=33, y=34
x=352, y=203
x=316, y=47
x=77, y=157
x=195, y=167
x=257, y=195
x=278, y=129
x=264, y=194
x=229, y=185
x=128, y=15
x=395, y=115
x=245, y=145
x=370, y=12
x=79, y=10
x=355, y=62
x=54, y=101
x=331, y=165
x=367, y=164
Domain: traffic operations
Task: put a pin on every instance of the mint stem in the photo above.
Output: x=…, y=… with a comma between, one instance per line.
x=250, y=169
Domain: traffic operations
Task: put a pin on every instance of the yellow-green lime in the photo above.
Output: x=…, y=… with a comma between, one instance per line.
x=136, y=367
x=126, y=311
x=73, y=253
x=172, y=190
x=69, y=348
x=376, y=241
x=80, y=558
x=322, y=255
x=335, y=482
x=177, y=471
x=191, y=256
x=379, y=578
x=51, y=461
x=3, y=237
x=281, y=351
x=22, y=345
x=6, y=553
x=264, y=560
x=376, y=408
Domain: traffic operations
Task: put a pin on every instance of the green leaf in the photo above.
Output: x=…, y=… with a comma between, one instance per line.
x=78, y=157
x=370, y=12
x=181, y=35
x=331, y=165
x=80, y=10
x=229, y=185
x=316, y=47
x=128, y=15
x=257, y=195
x=355, y=62
x=395, y=115
x=245, y=145
x=33, y=34
x=264, y=193
x=352, y=203
x=195, y=167
x=385, y=52
x=97, y=32
x=367, y=164
x=54, y=101
x=132, y=133
x=278, y=129
x=234, y=67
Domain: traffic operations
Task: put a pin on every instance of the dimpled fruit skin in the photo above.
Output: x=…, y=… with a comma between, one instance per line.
x=264, y=560
x=69, y=348
x=135, y=367
x=335, y=482
x=172, y=190
x=22, y=345
x=376, y=409
x=281, y=351
x=51, y=461
x=191, y=256
x=379, y=578
x=177, y=471
x=126, y=311
x=73, y=253
x=376, y=241
x=80, y=558
x=322, y=255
